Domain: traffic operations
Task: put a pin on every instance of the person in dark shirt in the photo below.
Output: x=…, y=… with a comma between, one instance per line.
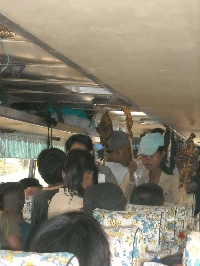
x=50, y=165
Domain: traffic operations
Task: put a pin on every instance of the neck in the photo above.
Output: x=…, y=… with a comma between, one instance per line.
x=154, y=175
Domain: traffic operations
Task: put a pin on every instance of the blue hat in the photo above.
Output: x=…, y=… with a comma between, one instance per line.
x=150, y=143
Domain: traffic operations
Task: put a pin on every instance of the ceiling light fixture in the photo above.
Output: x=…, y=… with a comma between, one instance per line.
x=89, y=90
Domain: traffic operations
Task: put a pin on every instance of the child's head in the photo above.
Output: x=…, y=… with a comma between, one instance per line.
x=106, y=196
x=11, y=197
x=147, y=194
x=50, y=165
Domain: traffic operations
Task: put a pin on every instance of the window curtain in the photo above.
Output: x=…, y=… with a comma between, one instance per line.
x=24, y=146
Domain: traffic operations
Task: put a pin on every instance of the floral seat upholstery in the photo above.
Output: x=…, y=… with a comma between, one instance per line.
x=169, y=214
x=126, y=245
x=19, y=258
x=150, y=224
x=191, y=255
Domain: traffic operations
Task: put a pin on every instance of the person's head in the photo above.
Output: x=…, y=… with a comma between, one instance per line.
x=30, y=186
x=79, y=141
x=77, y=233
x=152, y=150
x=11, y=198
x=106, y=196
x=79, y=167
x=147, y=194
x=118, y=148
x=50, y=165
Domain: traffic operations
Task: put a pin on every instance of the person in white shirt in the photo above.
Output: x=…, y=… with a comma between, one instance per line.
x=119, y=159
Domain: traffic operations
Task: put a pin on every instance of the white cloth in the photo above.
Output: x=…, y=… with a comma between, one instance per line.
x=63, y=202
x=118, y=170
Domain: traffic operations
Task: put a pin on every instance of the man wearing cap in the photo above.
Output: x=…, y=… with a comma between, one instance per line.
x=152, y=152
x=119, y=158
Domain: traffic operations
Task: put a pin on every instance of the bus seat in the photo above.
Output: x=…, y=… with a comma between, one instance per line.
x=169, y=214
x=126, y=245
x=150, y=223
x=191, y=254
x=19, y=258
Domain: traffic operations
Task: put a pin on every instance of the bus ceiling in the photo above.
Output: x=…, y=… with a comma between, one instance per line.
x=93, y=56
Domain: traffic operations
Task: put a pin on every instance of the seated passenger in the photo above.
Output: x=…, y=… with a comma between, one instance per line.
x=12, y=202
x=50, y=165
x=77, y=233
x=106, y=196
x=78, y=172
x=9, y=233
x=147, y=194
x=80, y=141
x=30, y=186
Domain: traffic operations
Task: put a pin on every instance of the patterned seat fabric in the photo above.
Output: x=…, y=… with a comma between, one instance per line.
x=126, y=245
x=150, y=224
x=191, y=255
x=169, y=214
x=19, y=258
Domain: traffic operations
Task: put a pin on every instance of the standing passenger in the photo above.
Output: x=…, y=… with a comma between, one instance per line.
x=50, y=165
x=79, y=168
x=152, y=152
x=80, y=141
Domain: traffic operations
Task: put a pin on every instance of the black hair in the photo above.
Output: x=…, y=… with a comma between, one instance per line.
x=81, y=139
x=77, y=233
x=106, y=196
x=50, y=165
x=12, y=197
x=29, y=182
x=86, y=142
x=147, y=194
x=77, y=163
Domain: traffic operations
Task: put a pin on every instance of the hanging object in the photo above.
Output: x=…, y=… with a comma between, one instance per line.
x=187, y=162
x=51, y=122
x=105, y=130
x=129, y=125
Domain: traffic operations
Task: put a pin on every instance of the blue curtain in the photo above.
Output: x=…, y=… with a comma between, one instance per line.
x=27, y=146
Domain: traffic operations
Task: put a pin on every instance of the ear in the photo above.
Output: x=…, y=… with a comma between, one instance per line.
x=90, y=176
x=64, y=175
x=163, y=154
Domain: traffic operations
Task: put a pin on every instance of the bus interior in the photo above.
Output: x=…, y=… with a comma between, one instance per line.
x=73, y=61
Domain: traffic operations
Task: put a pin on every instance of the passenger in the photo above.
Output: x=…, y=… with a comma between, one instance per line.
x=152, y=152
x=147, y=194
x=79, y=168
x=119, y=160
x=30, y=186
x=77, y=233
x=12, y=202
x=9, y=233
x=80, y=141
x=106, y=196
x=50, y=165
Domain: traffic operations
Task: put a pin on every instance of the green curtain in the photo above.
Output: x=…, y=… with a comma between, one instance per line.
x=27, y=146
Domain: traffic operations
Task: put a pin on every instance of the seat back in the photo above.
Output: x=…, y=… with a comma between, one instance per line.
x=150, y=223
x=126, y=245
x=191, y=254
x=19, y=258
x=169, y=214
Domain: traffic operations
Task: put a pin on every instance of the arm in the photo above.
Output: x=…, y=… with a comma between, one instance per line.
x=11, y=233
x=14, y=242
